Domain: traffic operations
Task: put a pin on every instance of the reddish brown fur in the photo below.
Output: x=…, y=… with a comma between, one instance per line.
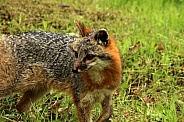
x=7, y=69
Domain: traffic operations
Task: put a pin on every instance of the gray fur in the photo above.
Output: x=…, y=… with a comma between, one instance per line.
x=50, y=50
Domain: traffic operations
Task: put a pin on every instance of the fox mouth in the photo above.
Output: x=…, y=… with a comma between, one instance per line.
x=80, y=70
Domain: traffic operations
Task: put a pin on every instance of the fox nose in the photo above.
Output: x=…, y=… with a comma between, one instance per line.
x=76, y=66
x=75, y=70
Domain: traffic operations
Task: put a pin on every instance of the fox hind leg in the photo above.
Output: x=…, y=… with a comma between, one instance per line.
x=35, y=84
x=29, y=97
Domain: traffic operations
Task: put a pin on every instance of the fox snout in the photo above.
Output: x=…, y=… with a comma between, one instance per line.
x=75, y=70
x=79, y=67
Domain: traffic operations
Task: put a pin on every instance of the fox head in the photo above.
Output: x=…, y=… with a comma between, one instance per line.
x=91, y=51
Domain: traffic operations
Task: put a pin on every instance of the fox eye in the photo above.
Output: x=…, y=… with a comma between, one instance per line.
x=90, y=56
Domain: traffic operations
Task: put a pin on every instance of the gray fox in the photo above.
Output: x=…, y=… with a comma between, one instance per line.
x=88, y=68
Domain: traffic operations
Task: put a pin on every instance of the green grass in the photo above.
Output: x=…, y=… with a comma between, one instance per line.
x=152, y=86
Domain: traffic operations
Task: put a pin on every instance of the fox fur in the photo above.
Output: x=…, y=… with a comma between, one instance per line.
x=88, y=68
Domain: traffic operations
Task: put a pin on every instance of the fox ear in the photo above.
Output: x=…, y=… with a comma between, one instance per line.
x=84, y=30
x=102, y=37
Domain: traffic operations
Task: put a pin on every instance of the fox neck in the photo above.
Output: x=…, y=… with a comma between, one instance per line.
x=96, y=76
x=109, y=78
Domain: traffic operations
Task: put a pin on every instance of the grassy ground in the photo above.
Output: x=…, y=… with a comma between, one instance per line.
x=152, y=88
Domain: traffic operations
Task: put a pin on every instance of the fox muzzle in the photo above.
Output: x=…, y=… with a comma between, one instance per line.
x=75, y=70
x=79, y=67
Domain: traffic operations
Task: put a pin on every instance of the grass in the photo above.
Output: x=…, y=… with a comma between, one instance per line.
x=152, y=86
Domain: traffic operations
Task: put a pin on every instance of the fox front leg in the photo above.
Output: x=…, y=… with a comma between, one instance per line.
x=84, y=111
x=106, y=109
